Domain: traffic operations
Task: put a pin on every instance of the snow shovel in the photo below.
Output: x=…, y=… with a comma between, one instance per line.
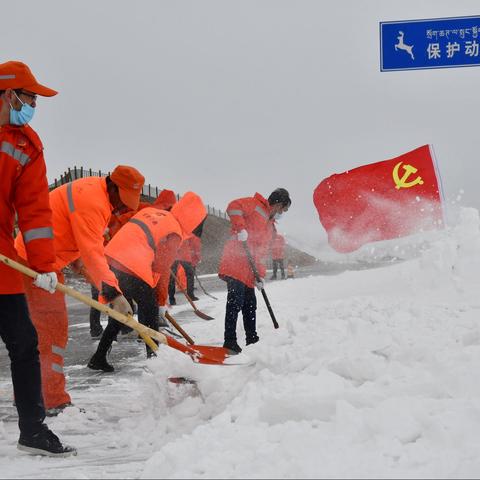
x=198, y=353
x=197, y=312
x=183, y=333
x=201, y=286
x=257, y=278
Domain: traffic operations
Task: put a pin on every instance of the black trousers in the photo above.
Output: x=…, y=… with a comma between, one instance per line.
x=144, y=295
x=189, y=273
x=94, y=313
x=20, y=337
x=240, y=298
x=278, y=263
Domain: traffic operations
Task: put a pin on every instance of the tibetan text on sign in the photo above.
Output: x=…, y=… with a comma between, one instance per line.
x=435, y=43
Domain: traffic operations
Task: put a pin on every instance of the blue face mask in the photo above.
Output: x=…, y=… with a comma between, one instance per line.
x=22, y=116
x=278, y=216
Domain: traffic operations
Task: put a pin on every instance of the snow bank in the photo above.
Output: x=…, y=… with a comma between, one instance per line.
x=372, y=374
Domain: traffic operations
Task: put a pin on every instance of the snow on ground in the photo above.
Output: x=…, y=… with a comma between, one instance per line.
x=372, y=373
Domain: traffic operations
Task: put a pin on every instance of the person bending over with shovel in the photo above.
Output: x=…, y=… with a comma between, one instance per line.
x=252, y=222
x=141, y=255
x=81, y=212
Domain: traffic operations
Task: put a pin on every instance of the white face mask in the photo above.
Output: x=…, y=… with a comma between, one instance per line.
x=278, y=216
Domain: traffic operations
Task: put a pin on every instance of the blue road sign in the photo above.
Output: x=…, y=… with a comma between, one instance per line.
x=434, y=43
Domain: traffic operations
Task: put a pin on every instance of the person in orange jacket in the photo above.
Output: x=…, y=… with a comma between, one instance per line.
x=252, y=221
x=165, y=200
x=81, y=211
x=141, y=255
x=116, y=223
x=278, y=255
x=24, y=191
x=188, y=256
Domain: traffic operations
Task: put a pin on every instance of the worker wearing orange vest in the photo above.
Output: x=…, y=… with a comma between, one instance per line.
x=278, y=255
x=252, y=221
x=188, y=256
x=81, y=212
x=24, y=191
x=116, y=223
x=141, y=255
x=165, y=200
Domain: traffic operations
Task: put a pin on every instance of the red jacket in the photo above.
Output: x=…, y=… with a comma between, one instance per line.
x=278, y=247
x=253, y=215
x=24, y=190
x=190, y=250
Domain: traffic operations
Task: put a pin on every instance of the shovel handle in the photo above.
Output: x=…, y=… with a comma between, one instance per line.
x=198, y=353
x=125, y=319
x=179, y=328
x=257, y=278
x=190, y=301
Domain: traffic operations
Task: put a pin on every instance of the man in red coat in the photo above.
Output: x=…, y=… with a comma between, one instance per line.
x=252, y=220
x=24, y=192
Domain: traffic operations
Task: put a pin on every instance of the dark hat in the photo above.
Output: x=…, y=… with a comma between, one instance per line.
x=280, y=195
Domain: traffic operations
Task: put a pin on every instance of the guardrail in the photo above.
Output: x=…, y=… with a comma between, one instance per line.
x=149, y=191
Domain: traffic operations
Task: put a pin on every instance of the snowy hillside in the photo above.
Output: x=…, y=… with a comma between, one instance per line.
x=373, y=373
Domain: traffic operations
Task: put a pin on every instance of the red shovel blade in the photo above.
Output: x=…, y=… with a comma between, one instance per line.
x=202, y=315
x=201, y=353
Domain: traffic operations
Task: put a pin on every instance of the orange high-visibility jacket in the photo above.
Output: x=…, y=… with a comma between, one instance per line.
x=24, y=190
x=253, y=215
x=81, y=213
x=278, y=247
x=147, y=245
x=118, y=221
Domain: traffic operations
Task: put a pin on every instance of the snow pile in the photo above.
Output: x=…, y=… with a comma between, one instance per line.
x=372, y=374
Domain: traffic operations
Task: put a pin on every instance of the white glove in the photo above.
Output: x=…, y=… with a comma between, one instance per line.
x=162, y=311
x=47, y=281
x=259, y=284
x=121, y=305
x=242, y=235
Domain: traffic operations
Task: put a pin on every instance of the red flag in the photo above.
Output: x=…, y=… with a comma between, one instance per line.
x=381, y=201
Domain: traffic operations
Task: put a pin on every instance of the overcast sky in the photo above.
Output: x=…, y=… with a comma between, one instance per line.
x=227, y=98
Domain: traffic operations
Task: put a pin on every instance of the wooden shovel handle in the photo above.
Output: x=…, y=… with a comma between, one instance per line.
x=179, y=328
x=143, y=331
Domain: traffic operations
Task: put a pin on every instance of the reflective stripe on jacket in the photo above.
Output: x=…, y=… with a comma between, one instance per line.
x=81, y=213
x=24, y=191
x=147, y=245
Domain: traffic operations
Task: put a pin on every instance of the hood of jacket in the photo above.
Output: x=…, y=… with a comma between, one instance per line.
x=189, y=212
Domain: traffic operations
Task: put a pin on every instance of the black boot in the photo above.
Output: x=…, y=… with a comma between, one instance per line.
x=96, y=329
x=99, y=359
x=233, y=346
x=172, y=301
x=44, y=442
x=252, y=339
x=98, y=362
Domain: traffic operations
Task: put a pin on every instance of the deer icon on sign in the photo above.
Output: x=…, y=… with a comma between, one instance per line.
x=402, y=46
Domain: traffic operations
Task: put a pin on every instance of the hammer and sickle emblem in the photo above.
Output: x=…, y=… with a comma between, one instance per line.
x=402, y=182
